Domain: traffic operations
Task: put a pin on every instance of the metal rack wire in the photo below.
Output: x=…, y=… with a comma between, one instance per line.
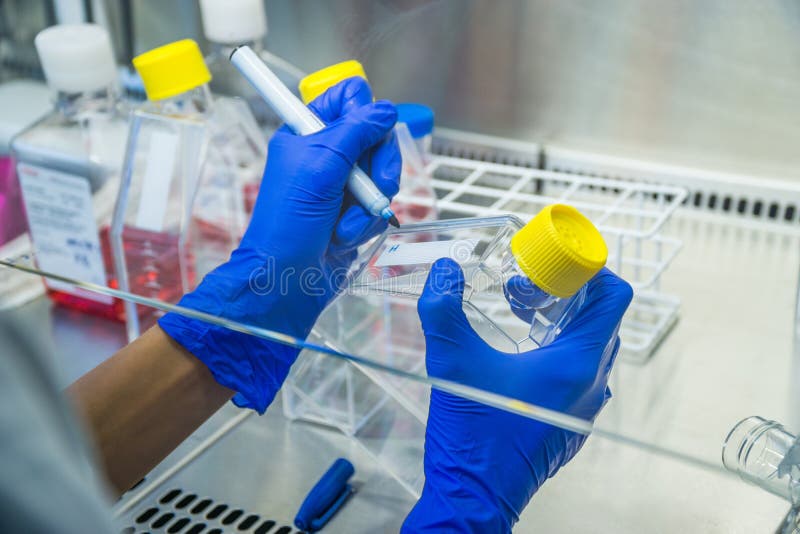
x=482, y=188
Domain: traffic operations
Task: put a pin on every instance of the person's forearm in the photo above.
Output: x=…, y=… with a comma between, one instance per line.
x=143, y=402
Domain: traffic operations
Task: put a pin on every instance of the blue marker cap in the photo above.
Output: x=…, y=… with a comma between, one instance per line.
x=418, y=117
x=326, y=497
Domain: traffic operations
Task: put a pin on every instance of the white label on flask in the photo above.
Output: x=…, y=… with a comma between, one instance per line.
x=156, y=181
x=459, y=250
x=63, y=228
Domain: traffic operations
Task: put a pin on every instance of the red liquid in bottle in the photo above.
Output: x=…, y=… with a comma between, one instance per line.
x=113, y=310
x=86, y=305
x=250, y=197
x=153, y=261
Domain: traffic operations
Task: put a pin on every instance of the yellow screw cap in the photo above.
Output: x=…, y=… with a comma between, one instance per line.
x=172, y=69
x=559, y=250
x=318, y=82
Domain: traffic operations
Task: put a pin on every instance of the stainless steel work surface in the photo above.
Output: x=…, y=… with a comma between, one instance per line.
x=267, y=465
x=728, y=357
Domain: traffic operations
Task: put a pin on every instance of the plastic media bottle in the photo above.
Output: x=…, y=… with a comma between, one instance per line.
x=416, y=200
x=190, y=157
x=419, y=119
x=231, y=23
x=68, y=164
x=21, y=103
x=523, y=284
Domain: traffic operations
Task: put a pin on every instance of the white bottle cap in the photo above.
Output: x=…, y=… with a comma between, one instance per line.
x=233, y=21
x=76, y=57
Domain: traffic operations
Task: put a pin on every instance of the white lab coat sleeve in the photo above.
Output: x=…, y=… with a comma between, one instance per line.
x=47, y=479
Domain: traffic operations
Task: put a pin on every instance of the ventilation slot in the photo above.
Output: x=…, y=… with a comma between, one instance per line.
x=184, y=502
x=177, y=512
x=721, y=202
x=714, y=196
x=265, y=527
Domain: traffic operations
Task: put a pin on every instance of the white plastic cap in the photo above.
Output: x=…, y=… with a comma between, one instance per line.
x=233, y=21
x=76, y=57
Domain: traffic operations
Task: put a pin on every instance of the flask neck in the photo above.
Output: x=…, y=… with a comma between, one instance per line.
x=75, y=105
x=424, y=145
x=224, y=50
x=194, y=102
x=519, y=289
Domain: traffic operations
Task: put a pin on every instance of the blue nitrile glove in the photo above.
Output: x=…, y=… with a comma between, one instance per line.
x=301, y=240
x=483, y=464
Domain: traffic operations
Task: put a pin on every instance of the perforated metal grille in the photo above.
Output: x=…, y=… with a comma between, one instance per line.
x=183, y=512
x=749, y=199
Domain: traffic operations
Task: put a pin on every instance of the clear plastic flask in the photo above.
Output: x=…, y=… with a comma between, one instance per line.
x=190, y=157
x=420, y=121
x=764, y=453
x=524, y=284
x=226, y=25
x=21, y=103
x=68, y=164
x=231, y=23
x=416, y=200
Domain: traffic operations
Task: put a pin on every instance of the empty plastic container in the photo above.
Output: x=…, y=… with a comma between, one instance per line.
x=416, y=200
x=231, y=23
x=419, y=119
x=764, y=453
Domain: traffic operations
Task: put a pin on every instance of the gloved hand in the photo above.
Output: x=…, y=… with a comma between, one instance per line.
x=483, y=464
x=298, y=247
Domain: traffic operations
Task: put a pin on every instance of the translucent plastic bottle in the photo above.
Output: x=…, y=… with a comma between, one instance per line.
x=420, y=120
x=68, y=164
x=524, y=284
x=764, y=453
x=190, y=157
x=231, y=23
x=416, y=200
x=21, y=103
